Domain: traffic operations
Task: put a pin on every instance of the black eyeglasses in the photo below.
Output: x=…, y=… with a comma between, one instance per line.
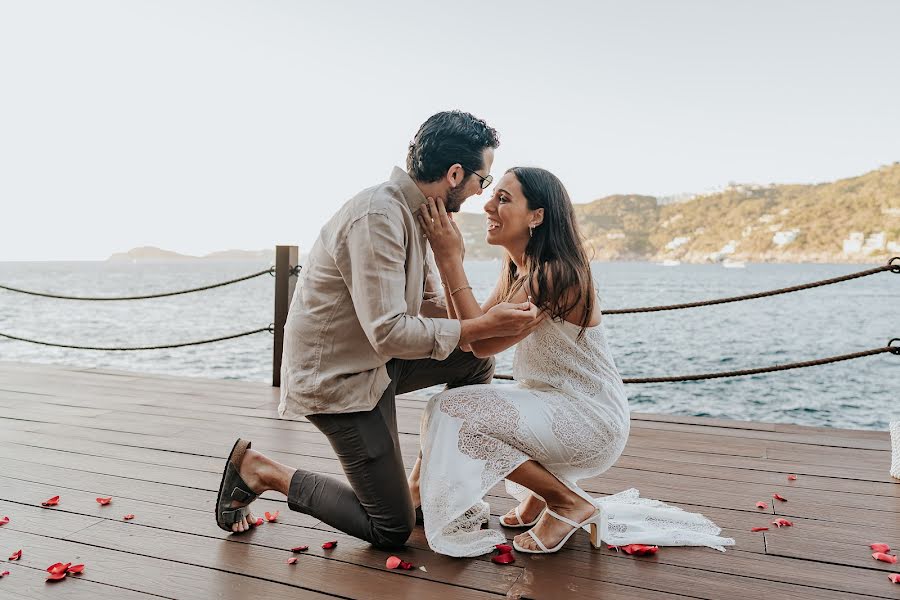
x=485, y=181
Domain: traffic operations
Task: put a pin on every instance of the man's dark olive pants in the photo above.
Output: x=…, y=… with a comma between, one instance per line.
x=376, y=505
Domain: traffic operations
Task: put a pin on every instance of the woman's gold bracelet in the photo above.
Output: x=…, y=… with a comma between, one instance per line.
x=462, y=287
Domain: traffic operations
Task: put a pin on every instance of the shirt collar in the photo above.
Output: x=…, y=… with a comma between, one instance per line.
x=408, y=188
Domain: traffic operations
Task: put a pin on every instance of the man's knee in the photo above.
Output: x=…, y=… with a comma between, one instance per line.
x=394, y=532
x=484, y=370
x=487, y=369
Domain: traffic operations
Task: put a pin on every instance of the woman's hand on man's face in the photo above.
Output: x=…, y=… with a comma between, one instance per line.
x=441, y=230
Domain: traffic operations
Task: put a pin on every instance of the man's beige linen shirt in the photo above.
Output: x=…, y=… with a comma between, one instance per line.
x=357, y=304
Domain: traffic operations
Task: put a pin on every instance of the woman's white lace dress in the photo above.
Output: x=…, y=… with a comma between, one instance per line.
x=568, y=411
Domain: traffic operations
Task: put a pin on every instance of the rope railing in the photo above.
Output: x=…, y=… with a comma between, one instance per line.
x=891, y=348
x=270, y=329
x=893, y=265
x=797, y=365
x=270, y=271
x=890, y=266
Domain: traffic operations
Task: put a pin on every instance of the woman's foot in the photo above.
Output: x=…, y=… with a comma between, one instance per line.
x=551, y=531
x=415, y=494
x=529, y=510
x=413, y=482
x=261, y=474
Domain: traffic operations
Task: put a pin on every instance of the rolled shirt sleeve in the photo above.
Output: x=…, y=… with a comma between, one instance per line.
x=372, y=261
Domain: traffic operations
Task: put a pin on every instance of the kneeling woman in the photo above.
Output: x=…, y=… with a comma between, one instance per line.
x=565, y=419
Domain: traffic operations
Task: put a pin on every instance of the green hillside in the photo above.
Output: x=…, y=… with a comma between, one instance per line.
x=850, y=220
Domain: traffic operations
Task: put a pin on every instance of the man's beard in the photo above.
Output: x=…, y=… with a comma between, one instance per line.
x=455, y=199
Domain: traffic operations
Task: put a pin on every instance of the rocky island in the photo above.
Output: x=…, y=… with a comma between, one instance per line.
x=153, y=254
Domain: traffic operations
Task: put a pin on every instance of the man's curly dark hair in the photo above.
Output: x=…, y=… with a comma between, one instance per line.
x=448, y=138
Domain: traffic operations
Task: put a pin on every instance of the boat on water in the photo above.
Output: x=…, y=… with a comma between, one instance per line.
x=670, y=263
x=733, y=264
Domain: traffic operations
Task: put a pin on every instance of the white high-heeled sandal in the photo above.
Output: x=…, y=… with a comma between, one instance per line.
x=594, y=520
x=521, y=524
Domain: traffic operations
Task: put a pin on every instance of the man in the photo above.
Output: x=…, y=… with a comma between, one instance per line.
x=367, y=322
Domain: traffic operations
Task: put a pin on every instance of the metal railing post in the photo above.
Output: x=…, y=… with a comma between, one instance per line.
x=286, y=258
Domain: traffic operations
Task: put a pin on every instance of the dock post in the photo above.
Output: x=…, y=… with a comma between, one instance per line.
x=286, y=259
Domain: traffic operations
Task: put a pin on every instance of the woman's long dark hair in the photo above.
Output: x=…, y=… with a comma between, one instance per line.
x=555, y=251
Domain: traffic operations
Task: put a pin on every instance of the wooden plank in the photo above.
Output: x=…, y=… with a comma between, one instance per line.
x=870, y=459
x=790, y=542
x=752, y=491
x=876, y=440
x=857, y=472
x=705, y=421
x=34, y=518
x=628, y=466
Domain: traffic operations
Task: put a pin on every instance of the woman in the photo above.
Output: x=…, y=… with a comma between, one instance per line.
x=566, y=419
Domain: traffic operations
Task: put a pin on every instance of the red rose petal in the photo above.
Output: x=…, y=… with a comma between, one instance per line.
x=779, y=497
x=292, y=560
x=4, y=520
x=4, y=574
x=888, y=558
x=75, y=570
x=259, y=521
x=782, y=523
x=56, y=568
x=329, y=545
x=616, y=548
x=300, y=549
x=270, y=517
x=792, y=478
x=893, y=577
x=392, y=562
x=104, y=501
x=880, y=547
x=16, y=555
x=128, y=517
x=759, y=529
x=56, y=576
x=504, y=547
x=762, y=505
x=504, y=558
x=639, y=549
x=51, y=501
x=406, y=566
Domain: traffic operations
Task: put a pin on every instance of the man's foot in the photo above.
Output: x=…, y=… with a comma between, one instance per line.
x=551, y=531
x=528, y=510
x=257, y=471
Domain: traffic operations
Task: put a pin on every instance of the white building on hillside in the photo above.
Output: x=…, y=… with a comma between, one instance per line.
x=853, y=243
x=678, y=242
x=874, y=243
x=783, y=238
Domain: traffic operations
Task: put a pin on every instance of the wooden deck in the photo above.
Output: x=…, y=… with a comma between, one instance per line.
x=157, y=444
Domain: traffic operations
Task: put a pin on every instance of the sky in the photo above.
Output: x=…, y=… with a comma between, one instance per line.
x=198, y=126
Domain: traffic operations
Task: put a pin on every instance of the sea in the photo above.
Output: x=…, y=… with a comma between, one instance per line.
x=837, y=319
